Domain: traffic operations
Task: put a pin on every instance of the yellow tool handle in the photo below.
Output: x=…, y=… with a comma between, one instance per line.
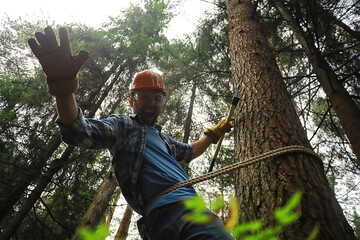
x=228, y=119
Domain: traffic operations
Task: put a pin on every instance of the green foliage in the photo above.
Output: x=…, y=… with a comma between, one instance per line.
x=27, y=113
x=100, y=233
x=198, y=211
x=254, y=230
x=285, y=215
x=356, y=223
x=131, y=42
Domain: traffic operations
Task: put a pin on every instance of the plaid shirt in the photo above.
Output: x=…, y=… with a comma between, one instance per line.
x=125, y=138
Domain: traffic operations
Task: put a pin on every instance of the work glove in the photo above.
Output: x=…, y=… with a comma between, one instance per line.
x=57, y=62
x=217, y=131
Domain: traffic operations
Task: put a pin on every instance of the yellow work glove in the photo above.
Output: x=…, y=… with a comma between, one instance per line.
x=57, y=61
x=217, y=131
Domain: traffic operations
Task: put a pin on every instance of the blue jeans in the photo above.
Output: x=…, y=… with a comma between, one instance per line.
x=166, y=223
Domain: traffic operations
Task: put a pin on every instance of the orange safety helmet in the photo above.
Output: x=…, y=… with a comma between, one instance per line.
x=147, y=80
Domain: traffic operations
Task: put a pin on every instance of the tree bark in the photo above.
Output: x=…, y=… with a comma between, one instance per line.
x=346, y=109
x=266, y=119
x=123, y=230
x=99, y=204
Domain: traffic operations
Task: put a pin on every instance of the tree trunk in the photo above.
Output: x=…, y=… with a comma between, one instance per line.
x=267, y=120
x=189, y=115
x=113, y=207
x=123, y=229
x=99, y=204
x=346, y=109
x=342, y=25
x=188, y=121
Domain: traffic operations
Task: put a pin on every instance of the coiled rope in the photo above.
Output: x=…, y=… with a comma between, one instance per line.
x=232, y=167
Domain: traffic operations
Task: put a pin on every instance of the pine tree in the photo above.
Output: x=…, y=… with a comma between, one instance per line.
x=267, y=120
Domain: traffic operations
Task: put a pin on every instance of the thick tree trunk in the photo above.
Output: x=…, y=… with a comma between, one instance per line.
x=267, y=120
x=346, y=109
x=123, y=230
x=99, y=204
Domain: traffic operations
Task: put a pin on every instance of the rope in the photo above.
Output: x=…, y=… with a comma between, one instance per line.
x=232, y=167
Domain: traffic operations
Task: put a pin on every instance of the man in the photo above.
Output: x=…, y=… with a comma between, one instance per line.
x=145, y=159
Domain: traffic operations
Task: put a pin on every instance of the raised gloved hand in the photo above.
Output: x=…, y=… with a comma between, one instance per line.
x=57, y=61
x=217, y=131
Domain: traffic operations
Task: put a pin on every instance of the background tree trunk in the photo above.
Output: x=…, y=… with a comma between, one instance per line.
x=113, y=207
x=187, y=124
x=123, y=230
x=188, y=120
x=346, y=109
x=267, y=120
x=99, y=204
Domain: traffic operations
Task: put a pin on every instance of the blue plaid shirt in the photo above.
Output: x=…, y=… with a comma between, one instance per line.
x=125, y=138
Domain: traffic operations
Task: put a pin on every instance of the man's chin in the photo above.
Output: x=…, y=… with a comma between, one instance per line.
x=148, y=120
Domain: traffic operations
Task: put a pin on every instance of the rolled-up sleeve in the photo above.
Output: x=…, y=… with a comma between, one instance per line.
x=184, y=151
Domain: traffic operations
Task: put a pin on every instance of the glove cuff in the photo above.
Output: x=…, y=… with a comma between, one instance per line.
x=208, y=132
x=58, y=88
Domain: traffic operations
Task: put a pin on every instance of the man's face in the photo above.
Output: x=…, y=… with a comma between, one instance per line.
x=148, y=104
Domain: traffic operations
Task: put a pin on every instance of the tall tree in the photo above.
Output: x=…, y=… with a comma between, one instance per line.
x=123, y=230
x=99, y=204
x=266, y=120
x=345, y=107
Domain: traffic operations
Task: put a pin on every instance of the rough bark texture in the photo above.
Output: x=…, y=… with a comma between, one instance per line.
x=123, y=229
x=267, y=120
x=99, y=203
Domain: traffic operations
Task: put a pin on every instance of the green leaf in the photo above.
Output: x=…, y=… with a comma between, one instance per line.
x=100, y=233
x=198, y=217
x=218, y=204
x=247, y=227
x=284, y=215
x=314, y=232
x=196, y=204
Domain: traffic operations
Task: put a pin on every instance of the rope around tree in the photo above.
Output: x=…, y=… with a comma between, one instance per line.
x=232, y=167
